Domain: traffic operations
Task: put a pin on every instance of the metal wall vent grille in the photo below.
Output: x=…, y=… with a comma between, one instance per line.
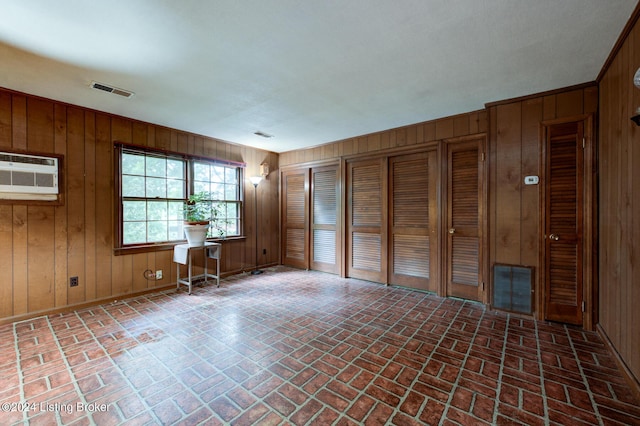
x=111, y=89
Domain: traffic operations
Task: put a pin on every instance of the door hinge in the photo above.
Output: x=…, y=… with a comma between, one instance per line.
x=583, y=143
x=483, y=157
x=583, y=306
x=482, y=283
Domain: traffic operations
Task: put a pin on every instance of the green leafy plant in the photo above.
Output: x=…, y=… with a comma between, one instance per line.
x=199, y=209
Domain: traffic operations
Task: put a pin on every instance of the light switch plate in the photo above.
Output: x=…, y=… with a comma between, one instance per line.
x=531, y=180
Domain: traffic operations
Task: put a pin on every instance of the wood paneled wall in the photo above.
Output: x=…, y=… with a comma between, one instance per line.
x=42, y=246
x=408, y=136
x=619, y=226
x=515, y=147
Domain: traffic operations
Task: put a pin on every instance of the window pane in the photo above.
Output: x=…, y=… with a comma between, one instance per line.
x=157, y=210
x=134, y=232
x=231, y=175
x=217, y=191
x=201, y=187
x=175, y=188
x=156, y=166
x=133, y=186
x=233, y=211
x=134, y=210
x=175, y=230
x=232, y=227
x=157, y=231
x=217, y=174
x=230, y=192
x=132, y=164
x=175, y=169
x=175, y=211
x=201, y=172
x=156, y=188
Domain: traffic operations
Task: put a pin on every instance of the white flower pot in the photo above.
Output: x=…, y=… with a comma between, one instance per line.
x=196, y=234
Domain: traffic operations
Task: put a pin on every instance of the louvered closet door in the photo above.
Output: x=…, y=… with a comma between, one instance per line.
x=367, y=220
x=324, y=218
x=295, y=249
x=412, y=245
x=464, y=199
x=564, y=223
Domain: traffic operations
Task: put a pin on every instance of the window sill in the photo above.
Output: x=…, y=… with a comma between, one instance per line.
x=150, y=248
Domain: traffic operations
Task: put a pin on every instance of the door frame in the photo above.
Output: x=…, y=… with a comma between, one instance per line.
x=483, y=253
x=589, y=225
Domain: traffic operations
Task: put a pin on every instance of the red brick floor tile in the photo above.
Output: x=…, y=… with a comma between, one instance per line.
x=300, y=347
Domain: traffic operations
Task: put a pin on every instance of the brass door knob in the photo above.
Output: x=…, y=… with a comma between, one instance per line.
x=452, y=230
x=554, y=237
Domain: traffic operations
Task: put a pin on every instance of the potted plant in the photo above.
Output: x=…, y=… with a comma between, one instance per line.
x=197, y=215
x=200, y=214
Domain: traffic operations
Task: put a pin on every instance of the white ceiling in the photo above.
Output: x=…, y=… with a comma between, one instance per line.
x=306, y=71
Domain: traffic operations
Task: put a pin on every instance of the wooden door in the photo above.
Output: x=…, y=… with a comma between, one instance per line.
x=464, y=207
x=367, y=220
x=324, y=219
x=413, y=220
x=564, y=222
x=295, y=218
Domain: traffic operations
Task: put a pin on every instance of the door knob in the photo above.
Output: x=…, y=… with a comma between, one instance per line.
x=452, y=230
x=554, y=237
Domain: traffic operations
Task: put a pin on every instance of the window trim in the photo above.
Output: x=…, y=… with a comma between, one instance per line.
x=118, y=247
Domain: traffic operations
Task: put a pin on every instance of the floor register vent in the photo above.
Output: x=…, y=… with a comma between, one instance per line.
x=513, y=288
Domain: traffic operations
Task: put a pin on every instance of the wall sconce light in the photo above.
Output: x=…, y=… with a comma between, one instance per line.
x=636, y=82
x=264, y=169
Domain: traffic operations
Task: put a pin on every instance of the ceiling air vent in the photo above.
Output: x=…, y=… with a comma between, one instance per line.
x=263, y=134
x=111, y=89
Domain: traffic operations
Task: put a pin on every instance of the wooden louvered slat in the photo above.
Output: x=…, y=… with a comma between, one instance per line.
x=563, y=219
x=324, y=197
x=295, y=244
x=366, y=191
x=324, y=246
x=295, y=199
x=295, y=236
x=366, y=252
x=366, y=220
x=464, y=197
x=411, y=255
x=324, y=249
x=412, y=178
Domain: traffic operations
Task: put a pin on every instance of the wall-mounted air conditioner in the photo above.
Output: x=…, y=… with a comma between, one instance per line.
x=28, y=177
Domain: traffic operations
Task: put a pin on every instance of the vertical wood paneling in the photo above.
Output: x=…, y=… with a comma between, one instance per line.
x=508, y=165
x=40, y=236
x=76, y=202
x=90, y=177
x=61, y=213
x=104, y=206
x=619, y=210
x=6, y=218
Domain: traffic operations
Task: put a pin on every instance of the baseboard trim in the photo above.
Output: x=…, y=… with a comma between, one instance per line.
x=109, y=299
x=633, y=382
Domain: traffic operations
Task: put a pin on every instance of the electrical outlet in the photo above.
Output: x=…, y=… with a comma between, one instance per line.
x=159, y=274
x=73, y=282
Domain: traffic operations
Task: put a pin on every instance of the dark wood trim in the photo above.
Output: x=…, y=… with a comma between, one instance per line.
x=147, y=149
x=150, y=248
x=310, y=164
x=580, y=86
x=616, y=47
x=632, y=381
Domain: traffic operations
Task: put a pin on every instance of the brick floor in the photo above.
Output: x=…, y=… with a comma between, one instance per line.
x=296, y=347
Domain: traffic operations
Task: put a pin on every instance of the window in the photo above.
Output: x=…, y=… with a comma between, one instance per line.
x=155, y=185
